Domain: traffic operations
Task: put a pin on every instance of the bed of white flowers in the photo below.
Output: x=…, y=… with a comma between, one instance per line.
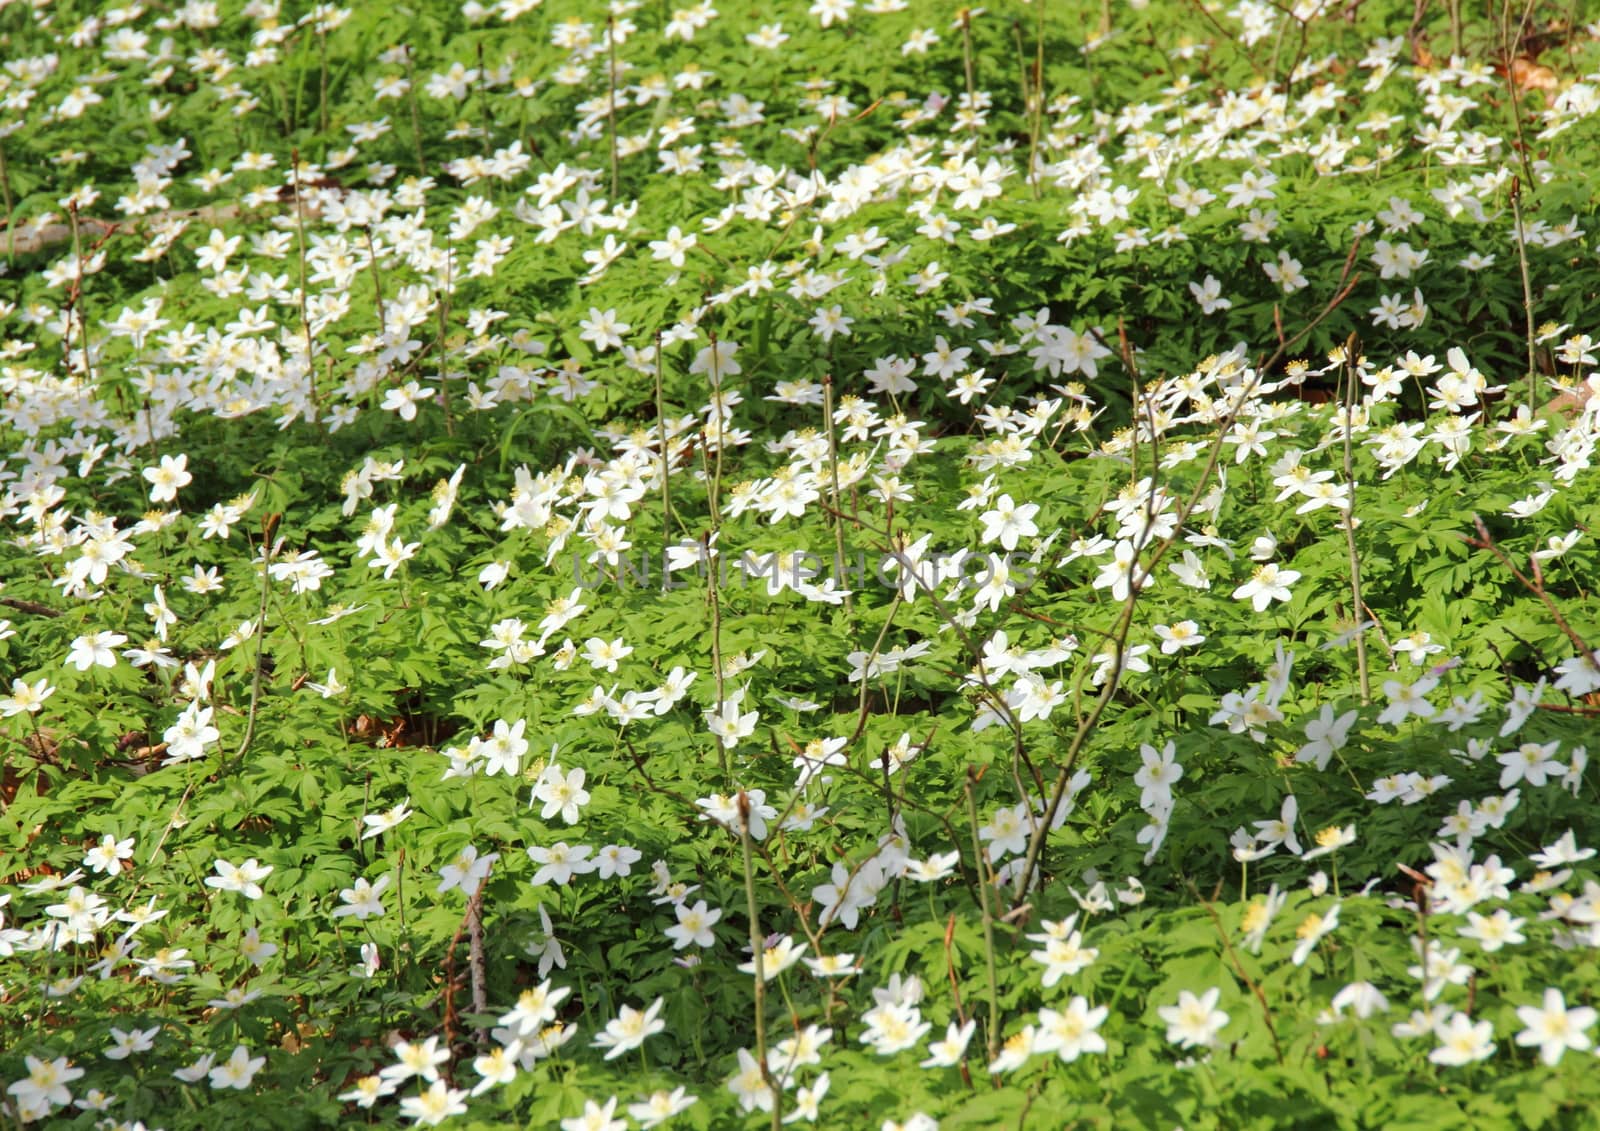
x=873, y=563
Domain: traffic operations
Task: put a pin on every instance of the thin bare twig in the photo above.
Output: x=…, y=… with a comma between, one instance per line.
x=758, y=958
x=25, y=606
x=269, y=530
x=472, y=924
x=1527, y=287
x=1484, y=541
x=1238, y=965
x=980, y=862
x=1352, y=348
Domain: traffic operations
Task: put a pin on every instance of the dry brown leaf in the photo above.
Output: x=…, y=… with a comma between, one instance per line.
x=296, y=1039
x=1571, y=402
x=1529, y=75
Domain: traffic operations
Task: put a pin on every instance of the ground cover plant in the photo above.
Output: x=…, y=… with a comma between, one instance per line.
x=875, y=563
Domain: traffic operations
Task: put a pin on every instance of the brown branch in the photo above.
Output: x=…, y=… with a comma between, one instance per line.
x=471, y=922
x=30, y=239
x=475, y=959
x=1535, y=586
x=1238, y=965
x=955, y=987
x=33, y=607
x=48, y=236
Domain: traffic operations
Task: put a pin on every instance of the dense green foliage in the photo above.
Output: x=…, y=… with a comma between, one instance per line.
x=1069, y=525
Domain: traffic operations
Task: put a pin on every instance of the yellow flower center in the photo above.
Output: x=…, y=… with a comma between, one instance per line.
x=1255, y=916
